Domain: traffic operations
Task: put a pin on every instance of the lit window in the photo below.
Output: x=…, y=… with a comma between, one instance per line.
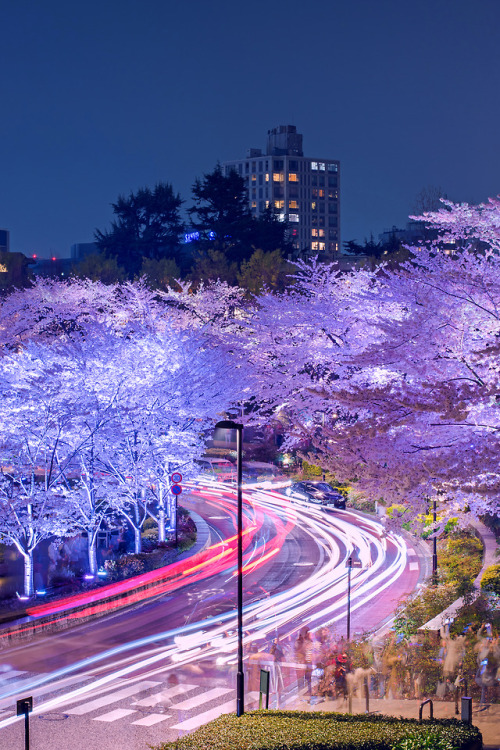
x=278, y=177
x=254, y=178
x=267, y=176
x=321, y=232
x=314, y=165
x=254, y=204
x=314, y=245
x=332, y=168
x=293, y=217
x=321, y=193
x=321, y=166
x=313, y=205
x=293, y=204
x=279, y=204
x=333, y=194
x=314, y=232
x=293, y=177
x=281, y=217
x=267, y=204
x=321, y=246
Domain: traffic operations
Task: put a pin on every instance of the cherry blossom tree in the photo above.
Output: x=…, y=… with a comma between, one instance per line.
x=391, y=377
x=29, y=514
x=104, y=398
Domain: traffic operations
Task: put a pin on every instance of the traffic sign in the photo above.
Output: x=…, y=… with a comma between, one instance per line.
x=176, y=489
x=176, y=477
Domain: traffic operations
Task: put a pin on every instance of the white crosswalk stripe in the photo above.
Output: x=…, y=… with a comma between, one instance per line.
x=224, y=708
x=166, y=695
x=414, y=566
x=10, y=674
x=106, y=700
x=118, y=713
x=148, y=721
x=196, y=721
x=202, y=698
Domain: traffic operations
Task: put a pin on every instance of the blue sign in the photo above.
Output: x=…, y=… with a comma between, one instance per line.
x=176, y=489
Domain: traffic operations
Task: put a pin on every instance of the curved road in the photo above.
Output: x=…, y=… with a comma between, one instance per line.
x=294, y=575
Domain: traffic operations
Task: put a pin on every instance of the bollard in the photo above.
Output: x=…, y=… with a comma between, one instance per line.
x=467, y=710
x=264, y=687
x=24, y=706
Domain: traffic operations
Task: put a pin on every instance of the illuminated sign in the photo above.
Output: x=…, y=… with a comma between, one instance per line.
x=195, y=236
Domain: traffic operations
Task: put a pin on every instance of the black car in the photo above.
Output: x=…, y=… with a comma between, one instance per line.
x=320, y=493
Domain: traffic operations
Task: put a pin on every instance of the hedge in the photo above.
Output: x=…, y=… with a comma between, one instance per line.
x=320, y=730
x=491, y=579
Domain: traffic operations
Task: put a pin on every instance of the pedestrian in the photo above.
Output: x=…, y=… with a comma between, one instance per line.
x=340, y=676
x=277, y=683
x=54, y=559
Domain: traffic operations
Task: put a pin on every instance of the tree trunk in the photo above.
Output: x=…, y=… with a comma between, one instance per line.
x=137, y=540
x=161, y=521
x=92, y=552
x=28, y=573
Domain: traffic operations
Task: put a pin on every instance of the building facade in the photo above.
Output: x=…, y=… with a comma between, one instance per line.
x=4, y=240
x=304, y=191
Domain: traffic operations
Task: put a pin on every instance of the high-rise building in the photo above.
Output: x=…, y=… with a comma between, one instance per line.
x=4, y=240
x=304, y=191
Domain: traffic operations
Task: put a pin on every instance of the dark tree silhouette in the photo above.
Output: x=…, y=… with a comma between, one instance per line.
x=148, y=225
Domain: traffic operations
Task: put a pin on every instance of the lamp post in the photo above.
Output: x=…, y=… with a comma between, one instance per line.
x=230, y=425
x=434, y=547
x=352, y=561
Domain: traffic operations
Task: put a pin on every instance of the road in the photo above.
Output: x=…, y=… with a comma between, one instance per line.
x=163, y=668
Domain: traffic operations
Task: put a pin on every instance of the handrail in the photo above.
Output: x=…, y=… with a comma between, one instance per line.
x=429, y=700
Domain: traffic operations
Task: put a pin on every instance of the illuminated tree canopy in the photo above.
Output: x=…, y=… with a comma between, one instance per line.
x=389, y=378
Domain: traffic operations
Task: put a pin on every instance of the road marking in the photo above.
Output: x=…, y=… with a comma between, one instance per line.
x=214, y=713
x=118, y=713
x=148, y=721
x=165, y=695
x=413, y=566
x=10, y=674
x=86, y=708
x=201, y=698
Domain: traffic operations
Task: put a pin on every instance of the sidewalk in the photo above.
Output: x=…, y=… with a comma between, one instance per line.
x=486, y=718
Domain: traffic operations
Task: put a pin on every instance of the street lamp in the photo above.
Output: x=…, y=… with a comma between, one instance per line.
x=352, y=561
x=228, y=424
x=434, y=547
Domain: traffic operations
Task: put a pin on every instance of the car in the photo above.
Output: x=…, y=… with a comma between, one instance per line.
x=320, y=493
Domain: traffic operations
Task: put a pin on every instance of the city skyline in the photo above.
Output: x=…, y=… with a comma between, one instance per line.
x=100, y=100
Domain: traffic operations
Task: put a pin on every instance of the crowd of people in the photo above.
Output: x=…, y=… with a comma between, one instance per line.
x=321, y=666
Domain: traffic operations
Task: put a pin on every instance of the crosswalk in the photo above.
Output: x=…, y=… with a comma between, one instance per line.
x=139, y=702
x=412, y=564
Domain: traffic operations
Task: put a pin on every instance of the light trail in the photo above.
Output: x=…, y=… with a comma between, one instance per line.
x=319, y=600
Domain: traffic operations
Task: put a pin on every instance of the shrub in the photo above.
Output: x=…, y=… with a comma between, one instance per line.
x=311, y=469
x=491, y=579
x=360, y=502
x=460, y=558
x=276, y=730
x=396, y=511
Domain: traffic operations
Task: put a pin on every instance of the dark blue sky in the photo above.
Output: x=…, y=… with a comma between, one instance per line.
x=103, y=97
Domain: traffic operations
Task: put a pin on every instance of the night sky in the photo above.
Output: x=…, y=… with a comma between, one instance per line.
x=105, y=96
